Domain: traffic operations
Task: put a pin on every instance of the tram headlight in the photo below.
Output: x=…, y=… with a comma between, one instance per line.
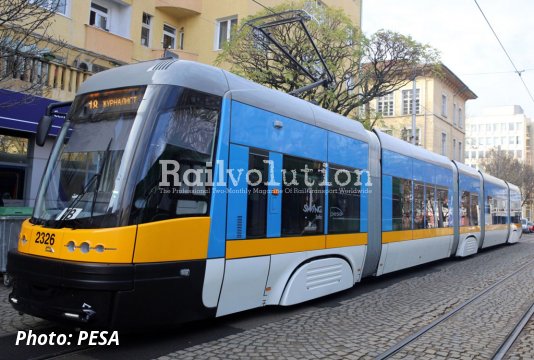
x=71, y=246
x=84, y=247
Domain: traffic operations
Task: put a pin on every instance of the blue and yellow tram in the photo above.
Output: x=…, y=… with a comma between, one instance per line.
x=178, y=191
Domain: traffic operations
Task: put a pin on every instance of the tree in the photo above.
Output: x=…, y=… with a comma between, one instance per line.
x=363, y=67
x=25, y=38
x=500, y=164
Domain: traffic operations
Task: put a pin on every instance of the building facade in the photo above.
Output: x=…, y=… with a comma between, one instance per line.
x=440, y=113
x=504, y=127
x=99, y=35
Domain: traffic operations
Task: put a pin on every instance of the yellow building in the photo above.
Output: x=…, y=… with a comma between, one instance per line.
x=440, y=113
x=101, y=34
x=105, y=33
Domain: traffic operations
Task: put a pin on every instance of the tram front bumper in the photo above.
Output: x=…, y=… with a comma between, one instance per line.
x=118, y=296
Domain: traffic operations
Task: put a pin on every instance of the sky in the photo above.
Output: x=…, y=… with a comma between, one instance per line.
x=466, y=43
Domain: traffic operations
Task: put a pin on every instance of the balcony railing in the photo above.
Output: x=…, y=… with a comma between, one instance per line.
x=180, y=8
x=46, y=78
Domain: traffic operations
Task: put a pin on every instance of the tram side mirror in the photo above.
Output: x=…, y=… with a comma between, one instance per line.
x=42, y=130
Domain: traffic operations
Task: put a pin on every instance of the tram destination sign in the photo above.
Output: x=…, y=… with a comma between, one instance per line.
x=113, y=100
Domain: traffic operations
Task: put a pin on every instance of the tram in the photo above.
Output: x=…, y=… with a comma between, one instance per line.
x=177, y=191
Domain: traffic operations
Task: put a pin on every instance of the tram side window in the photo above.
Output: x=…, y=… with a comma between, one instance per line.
x=303, y=198
x=343, y=201
x=431, y=216
x=402, y=204
x=444, y=215
x=465, y=209
x=489, y=210
x=257, y=194
x=474, y=213
x=183, y=135
x=418, y=205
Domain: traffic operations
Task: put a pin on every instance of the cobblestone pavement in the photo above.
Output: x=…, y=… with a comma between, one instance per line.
x=10, y=320
x=366, y=325
x=477, y=330
x=523, y=349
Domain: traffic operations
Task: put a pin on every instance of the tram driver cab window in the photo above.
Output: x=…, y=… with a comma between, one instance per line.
x=180, y=148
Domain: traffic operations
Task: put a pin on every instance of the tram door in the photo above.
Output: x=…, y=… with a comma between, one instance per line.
x=253, y=214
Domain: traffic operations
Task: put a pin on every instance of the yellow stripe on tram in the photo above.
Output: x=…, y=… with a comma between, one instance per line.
x=407, y=235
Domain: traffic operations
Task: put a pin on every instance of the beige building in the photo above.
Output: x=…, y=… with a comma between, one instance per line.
x=440, y=113
x=503, y=127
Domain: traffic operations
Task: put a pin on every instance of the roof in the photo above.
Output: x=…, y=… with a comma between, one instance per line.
x=216, y=81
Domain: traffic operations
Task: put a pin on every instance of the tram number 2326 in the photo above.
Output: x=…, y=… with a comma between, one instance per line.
x=45, y=238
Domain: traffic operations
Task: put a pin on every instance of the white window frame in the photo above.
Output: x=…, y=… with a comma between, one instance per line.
x=148, y=27
x=407, y=102
x=460, y=151
x=444, y=105
x=228, y=21
x=454, y=149
x=460, y=119
x=386, y=105
x=98, y=12
x=444, y=144
x=454, y=114
x=181, y=38
x=406, y=135
x=49, y=4
x=169, y=34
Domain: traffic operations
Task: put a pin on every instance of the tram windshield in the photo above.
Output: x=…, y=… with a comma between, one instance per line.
x=83, y=178
x=108, y=166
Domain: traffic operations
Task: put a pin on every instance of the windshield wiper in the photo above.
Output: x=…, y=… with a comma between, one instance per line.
x=99, y=175
x=78, y=197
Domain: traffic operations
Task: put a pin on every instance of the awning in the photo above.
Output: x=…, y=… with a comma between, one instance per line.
x=22, y=112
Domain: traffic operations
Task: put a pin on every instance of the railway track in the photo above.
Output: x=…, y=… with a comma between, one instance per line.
x=505, y=347
x=501, y=351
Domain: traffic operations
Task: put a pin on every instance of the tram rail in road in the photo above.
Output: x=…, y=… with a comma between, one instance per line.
x=504, y=347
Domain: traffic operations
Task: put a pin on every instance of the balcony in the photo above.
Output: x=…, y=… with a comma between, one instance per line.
x=108, y=44
x=180, y=8
x=182, y=55
x=49, y=79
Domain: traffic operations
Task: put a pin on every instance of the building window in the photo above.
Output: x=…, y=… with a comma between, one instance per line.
x=169, y=37
x=407, y=102
x=511, y=127
x=454, y=114
x=460, y=118
x=453, y=149
x=443, y=144
x=460, y=151
x=99, y=16
x=224, y=31
x=181, y=38
x=385, y=105
x=58, y=6
x=145, y=29
x=406, y=135
x=444, y=105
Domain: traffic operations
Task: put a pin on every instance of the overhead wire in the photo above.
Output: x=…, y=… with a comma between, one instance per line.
x=518, y=72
